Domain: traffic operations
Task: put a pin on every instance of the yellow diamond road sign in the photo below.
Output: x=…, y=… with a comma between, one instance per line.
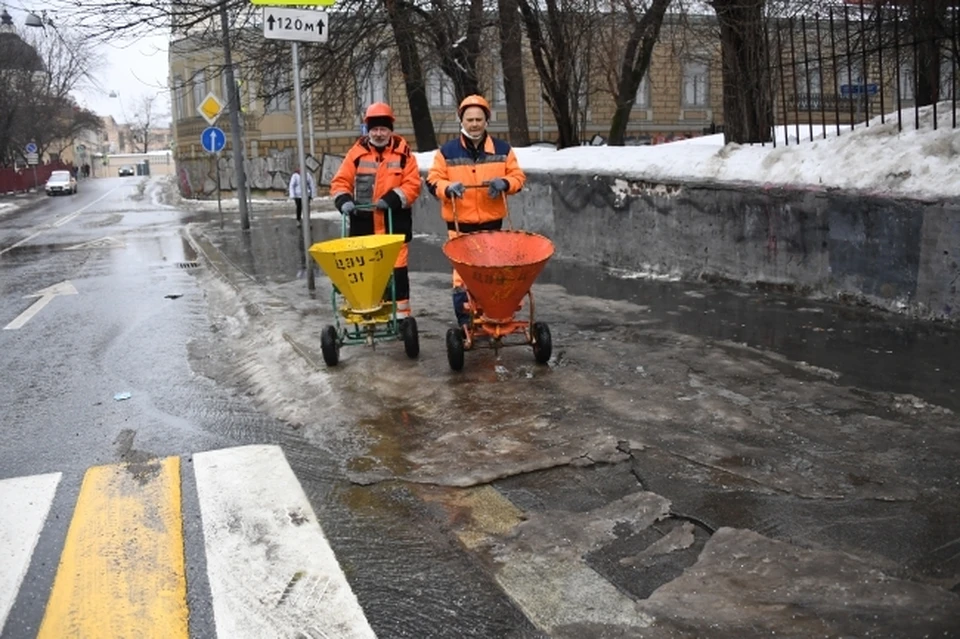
x=210, y=108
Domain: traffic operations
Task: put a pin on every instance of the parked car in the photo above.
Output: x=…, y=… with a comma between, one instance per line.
x=61, y=182
x=126, y=169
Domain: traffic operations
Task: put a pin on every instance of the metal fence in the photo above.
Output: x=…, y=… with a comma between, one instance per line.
x=834, y=71
x=19, y=180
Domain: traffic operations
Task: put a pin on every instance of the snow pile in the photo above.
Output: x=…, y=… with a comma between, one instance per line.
x=917, y=162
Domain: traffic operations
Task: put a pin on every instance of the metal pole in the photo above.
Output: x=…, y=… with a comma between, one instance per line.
x=216, y=158
x=234, y=107
x=304, y=173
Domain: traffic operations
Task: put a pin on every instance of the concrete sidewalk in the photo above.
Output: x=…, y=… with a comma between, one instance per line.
x=646, y=483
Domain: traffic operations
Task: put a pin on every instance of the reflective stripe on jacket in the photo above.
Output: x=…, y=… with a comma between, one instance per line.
x=369, y=174
x=455, y=161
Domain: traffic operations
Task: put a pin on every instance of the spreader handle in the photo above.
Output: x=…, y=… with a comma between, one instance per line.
x=453, y=200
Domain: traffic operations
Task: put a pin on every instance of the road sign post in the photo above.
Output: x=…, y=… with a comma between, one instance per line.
x=213, y=139
x=210, y=108
x=304, y=173
x=296, y=25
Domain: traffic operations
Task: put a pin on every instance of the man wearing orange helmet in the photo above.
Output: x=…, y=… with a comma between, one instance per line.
x=477, y=170
x=380, y=169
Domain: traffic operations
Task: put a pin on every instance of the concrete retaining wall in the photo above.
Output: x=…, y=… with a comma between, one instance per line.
x=896, y=253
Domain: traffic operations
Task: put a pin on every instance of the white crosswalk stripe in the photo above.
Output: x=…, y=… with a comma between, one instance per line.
x=270, y=568
x=24, y=504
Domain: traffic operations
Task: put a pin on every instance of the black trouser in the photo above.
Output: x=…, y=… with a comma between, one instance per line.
x=299, y=203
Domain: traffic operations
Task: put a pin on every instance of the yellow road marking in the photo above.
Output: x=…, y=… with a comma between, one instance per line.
x=121, y=574
x=479, y=512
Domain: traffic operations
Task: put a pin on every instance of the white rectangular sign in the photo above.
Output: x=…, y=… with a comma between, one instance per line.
x=300, y=25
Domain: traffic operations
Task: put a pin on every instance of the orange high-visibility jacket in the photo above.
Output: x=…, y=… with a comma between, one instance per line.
x=369, y=174
x=455, y=161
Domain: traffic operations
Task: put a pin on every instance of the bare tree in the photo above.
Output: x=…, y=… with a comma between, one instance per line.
x=511, y=63
x=36, y=78
x=413, y=80
x=561, y=34
x=645, y=23
x=747, y=89
x=145, y=116
x=931, y=22
x=454, y=35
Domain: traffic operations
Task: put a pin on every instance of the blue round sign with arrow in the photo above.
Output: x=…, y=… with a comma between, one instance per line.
x=213, y=139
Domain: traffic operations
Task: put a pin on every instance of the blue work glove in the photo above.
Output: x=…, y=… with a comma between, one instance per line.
x=347, y=208
x=457, y=189
x=497, y=186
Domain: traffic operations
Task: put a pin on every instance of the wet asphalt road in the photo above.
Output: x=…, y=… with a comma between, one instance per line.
x=512, y=500
x=141, y=323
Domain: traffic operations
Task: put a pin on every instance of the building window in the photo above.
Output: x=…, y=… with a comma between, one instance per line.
x=277, y=87
x=179, y=98
x=947, y=81
x=581, y=80
x=696, y=83
x=250, y=88
x=499, y=90
x=809, y=87
x=440, y=89
x=908, y=83
x=199, y=87
x=372, y=86
x=224, y=88
x=642, y=101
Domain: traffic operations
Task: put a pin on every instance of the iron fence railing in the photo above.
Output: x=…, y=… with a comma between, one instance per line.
x=835, y=71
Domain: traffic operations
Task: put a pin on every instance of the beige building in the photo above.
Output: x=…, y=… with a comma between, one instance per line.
x=122, y=138
x=680, y=98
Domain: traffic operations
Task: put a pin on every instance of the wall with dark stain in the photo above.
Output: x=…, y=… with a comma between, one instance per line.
x=896, y=253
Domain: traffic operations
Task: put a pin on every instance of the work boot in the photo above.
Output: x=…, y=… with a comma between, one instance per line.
x=460, y=306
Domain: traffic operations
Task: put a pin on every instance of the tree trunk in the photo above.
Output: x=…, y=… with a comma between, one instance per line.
x=458, y=55
x=930, y=25
x=556, y=75
x=747, y=95
x=511, y=58
x=426, y=137
x=636, y=61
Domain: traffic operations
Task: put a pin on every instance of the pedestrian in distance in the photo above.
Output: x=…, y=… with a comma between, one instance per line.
x=478, y=171
x=380, y=172
x=296, y=190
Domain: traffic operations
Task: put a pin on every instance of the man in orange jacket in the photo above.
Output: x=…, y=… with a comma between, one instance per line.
x=477, y=170
x=380, y=169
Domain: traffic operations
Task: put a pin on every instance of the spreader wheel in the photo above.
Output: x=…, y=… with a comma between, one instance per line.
x=329, y=346
x=455, y=348
x=411, y=338
x=542, y=345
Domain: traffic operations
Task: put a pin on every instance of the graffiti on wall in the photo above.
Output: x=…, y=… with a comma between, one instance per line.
x=269, y=174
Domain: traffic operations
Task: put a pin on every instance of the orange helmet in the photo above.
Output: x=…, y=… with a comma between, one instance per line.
x=473, y=101
x=379, y=110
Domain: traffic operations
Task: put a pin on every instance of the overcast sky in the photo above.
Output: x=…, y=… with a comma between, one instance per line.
x=131, y=69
